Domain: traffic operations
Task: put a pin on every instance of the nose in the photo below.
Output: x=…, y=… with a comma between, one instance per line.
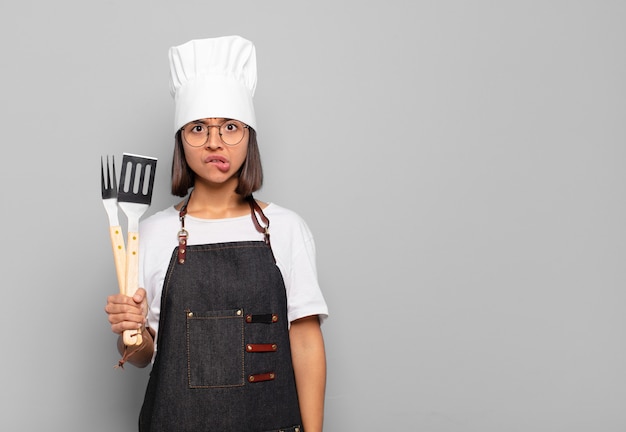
x=213, y=141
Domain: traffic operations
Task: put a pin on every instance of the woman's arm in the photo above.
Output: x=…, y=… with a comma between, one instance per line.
x=309, y=365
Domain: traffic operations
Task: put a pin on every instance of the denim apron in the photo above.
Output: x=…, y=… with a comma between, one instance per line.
x=224, y=360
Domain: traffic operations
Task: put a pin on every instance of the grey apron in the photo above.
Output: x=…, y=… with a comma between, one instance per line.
x=224, y=359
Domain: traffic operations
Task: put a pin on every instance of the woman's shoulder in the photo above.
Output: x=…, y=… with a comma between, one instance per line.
x=282, y=213
x=286, y=220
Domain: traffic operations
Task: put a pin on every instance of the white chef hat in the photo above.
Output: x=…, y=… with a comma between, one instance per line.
x=213, y=77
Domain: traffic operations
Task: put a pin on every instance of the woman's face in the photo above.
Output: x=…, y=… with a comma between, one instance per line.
x=214, y=161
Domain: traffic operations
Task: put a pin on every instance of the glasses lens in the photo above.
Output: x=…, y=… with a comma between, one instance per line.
x=232, y=132
x=195, y=134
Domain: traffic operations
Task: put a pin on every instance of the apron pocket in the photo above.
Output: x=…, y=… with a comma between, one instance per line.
x=215, y=348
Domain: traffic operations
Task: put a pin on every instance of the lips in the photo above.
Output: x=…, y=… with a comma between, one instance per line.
x=220, y=162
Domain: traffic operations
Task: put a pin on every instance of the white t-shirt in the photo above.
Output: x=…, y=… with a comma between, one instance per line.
x=291, y=240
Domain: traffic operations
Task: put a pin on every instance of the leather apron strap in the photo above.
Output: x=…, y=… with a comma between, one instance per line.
x=255, y=212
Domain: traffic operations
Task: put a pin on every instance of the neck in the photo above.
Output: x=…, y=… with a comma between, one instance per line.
x=216, y=203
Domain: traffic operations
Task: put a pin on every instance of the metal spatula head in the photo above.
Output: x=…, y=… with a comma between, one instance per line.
x=136, y=184
x=137, y=179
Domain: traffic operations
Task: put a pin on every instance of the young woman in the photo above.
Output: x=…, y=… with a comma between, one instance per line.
x=230, y=316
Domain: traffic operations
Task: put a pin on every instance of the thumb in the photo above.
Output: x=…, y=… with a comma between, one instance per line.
x=140, y=295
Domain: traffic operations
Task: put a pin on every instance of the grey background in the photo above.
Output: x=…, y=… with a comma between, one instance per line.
x=460, y=163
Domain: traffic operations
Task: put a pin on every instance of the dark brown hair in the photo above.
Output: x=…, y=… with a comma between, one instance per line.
x=250, y=174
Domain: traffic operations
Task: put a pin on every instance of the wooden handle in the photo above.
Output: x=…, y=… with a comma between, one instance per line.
x=132, y=337
x=119, y=256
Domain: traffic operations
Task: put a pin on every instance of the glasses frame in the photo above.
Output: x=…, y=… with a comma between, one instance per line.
x=219, y=132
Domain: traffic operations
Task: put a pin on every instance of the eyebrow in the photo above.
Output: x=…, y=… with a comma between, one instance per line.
x=207, y=121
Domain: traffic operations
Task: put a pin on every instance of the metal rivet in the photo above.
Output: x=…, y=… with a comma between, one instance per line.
x=251, y=378
x=272, y=376
x=190, y=314
x=274, y=347
x=249, y=347
x=182, y=261
x=239, y=312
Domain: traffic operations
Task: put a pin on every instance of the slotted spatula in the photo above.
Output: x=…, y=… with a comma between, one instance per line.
x=134, y=197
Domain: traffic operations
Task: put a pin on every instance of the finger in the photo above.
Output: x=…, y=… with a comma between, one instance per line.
x=125, y=325
x=130, y=317
x=117, y=308
x=120, y=299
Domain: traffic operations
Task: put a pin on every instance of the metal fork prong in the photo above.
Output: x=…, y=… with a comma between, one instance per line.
x=102, y=177
x=114, y=188
x=109, y=184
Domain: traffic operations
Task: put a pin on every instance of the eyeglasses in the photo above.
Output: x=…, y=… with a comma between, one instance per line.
x=196, y=133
